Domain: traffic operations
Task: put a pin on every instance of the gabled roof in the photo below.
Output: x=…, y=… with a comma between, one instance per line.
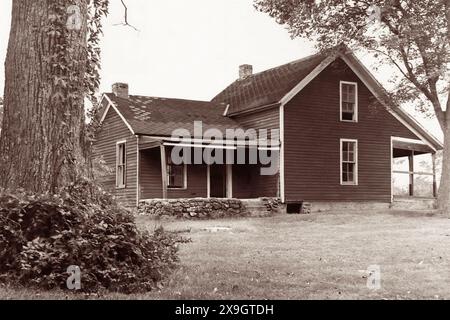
x=152, y=116
x=267, y=87
x=277, y=86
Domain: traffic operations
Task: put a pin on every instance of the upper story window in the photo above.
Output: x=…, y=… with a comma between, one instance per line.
x=176, y=175
x=349, y=101
x=349, y=162
x=121, y=164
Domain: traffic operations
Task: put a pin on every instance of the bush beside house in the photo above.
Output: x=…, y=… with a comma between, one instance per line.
x=41, y=236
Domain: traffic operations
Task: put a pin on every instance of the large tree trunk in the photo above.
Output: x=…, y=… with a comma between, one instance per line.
x=41, y=143
x=444, y=190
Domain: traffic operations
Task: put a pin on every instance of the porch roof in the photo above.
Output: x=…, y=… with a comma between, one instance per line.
x=155, y=141
x=403, y=147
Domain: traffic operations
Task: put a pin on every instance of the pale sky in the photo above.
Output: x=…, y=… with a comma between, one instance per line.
x=187, y=49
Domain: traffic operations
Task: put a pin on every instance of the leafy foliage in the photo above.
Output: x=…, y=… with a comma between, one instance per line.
x=42, y=235
x=413, y=36
x=67, y=86
x=74, y=79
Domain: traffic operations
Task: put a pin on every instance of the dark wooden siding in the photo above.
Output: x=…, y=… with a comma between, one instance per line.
x=151, y=180
x=312, y=142
x=113, y=130
x=266, y=119
x=150, y=174
x=247, y=181
x=197, y=184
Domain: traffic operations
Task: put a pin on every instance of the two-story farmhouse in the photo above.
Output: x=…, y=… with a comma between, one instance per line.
x=337, y=137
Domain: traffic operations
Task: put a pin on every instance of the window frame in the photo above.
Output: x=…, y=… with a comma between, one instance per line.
x=124, y=165
x=341, y=83
x=185, y=181
x=341, y=163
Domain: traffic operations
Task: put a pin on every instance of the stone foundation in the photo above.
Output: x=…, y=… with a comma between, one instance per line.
x=408, y=204
x=273, y=205
x=348, y=206
x=201, y=208
x=194, y=208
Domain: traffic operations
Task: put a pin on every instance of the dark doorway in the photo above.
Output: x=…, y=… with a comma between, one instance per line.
x=294, y=208
x=217, y=175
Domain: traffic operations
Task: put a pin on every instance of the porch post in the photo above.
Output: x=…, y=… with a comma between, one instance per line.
x=163, y=171
x=229, y=178
x=411, y=174
x=435, y=191
x=138, y=169
x=208, y=181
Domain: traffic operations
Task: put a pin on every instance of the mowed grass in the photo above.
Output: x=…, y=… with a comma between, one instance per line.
x=319, y=256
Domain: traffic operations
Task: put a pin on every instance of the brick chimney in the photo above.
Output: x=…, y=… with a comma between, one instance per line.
x=121, y=90
x=245, y=70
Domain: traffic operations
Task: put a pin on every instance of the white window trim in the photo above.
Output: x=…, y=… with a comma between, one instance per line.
x=185, y=179
x=356, y=101
x=356, y=182
x=118, y=143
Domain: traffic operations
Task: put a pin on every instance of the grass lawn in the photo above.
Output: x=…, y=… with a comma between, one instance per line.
x=319, y=256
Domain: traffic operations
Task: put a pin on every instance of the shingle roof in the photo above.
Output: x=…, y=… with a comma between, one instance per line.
x=161, y=116
x=267, y=87
x=271, y=86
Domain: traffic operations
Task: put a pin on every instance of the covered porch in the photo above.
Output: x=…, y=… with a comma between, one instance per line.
x=210, y=169
x=414, y=171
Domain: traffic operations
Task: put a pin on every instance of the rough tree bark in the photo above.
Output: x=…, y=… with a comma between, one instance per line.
x=41, y=143
x=444, y=190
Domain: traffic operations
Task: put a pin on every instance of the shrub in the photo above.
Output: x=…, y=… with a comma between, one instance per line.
x=42, y=235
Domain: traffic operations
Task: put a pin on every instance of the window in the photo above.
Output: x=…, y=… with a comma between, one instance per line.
x=121, y=165
x=349, y=101
x=349, y=162
x=176, y=175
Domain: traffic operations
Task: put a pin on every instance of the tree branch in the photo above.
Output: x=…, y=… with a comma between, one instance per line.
x=432, y=77
x=392, y=60
x=404, y=55
x=431, y=92
x=125, y=20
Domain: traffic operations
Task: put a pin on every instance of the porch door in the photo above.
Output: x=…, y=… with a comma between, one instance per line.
x=218, y=181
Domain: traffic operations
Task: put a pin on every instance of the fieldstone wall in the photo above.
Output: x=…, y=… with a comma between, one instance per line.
x=273, y=205
x=194, y=208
